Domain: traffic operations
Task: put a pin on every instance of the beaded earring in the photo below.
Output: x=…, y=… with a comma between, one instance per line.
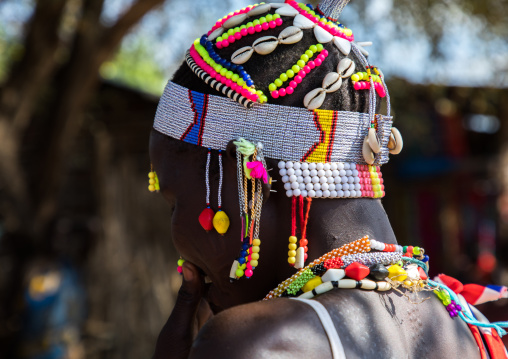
x=180, y=264
x=221, y=219
x=153, y=181
x=298, y=256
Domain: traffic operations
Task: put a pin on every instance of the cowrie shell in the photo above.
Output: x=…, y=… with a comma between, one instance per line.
x=343, y=45
x=265, y=45
x=374, y=141
x=346, y=67
x=332, y=82
x=258, y=10
x=290, y=35
x=368, y=155
x=364, y=43
x=302, y=22
x=242, y=55
x=216, y=33
x=322, y=36
x=234, y=21
x=276, y=5
x=398, y=142
x=362, y=50
x=286, y=10
x=314, y=99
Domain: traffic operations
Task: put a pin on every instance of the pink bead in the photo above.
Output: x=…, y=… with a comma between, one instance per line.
x=318, y=62
x=228, y=83
x=278, y=21
x=321, y=57
x=306, y=69
x=231, y=39
x=225, y=43
x=223, y=80
x=290, y=90
x=219, y=45
x=272, y=24
x=265, y=26
x=251, y=30
x=311, y=64
x=258, y=28
x=305, y=256
x=362, y=181
x=302, y=73
x=249, y=273
x=275, y=94
x=282, y=92
x=381, y=181
x=179, y=269
x=245, y=92
x=244, y=32
x=293, y=84
x=298, y=79
x=213, y=73
x=234, y=87
x=358, y=86
x=324, y=52
x=249, y=266
x=238, y=35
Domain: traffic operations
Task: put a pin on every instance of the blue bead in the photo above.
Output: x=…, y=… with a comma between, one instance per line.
x=245, y=247
x=243, y=253
x=250, y=83
x=240, y=68
x=425, y=258
x=241, y=260
x=234, y=67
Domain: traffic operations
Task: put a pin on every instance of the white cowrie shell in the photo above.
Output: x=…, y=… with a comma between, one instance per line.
x=242, y=55
x=265, y=45
x=368, y=155
x=374, y=141
x=258, y=10
x=362, y=50
x=302, y=22
x=343, y=45
x=398, y=142
x=322, y=36
x=234, y=21
x=290, y=35
x=314, y=99
x=332, y=82
x=277, y=5
x=216, y=33
x=346, y=67
x=287, y=10
x=364, y=43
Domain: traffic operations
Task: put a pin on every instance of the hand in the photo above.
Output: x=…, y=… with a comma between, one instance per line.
x=188, y=315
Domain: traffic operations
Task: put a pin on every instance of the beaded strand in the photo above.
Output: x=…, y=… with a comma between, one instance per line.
x=262, y=24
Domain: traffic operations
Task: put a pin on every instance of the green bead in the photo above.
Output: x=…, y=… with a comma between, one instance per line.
x=256, y=22
x=224, y=71
x=237, y=29
x=320, y=47
x=276, y=16
x=313, y=13
x=243, y=27
x=180, y=262
x=239, y=272
x=240, y=82
x=219, y=39
x=262, y=20
x=304, y=58
x=278, y=83
x=229, y=74
x=295, y=69
x=313, y=48
x=283, y=77
x=269, y=17
x=235, y=77
x=355, y=78
x=231, y=32
x=301, y=63
x=404, y=249
x=263, y=99
x=272, y=87
x=416, y=251
x=290, y=74
x=250, y=24
x=309, y=54
x=259, y=92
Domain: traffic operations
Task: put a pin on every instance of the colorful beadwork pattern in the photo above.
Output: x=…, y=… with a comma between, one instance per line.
x=288, y=133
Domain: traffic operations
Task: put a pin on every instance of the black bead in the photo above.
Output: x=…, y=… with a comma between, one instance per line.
x=378, y=272
x=318, y=269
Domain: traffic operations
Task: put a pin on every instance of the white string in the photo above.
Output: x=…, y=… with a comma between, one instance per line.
x=220, y=179
x=207, y=179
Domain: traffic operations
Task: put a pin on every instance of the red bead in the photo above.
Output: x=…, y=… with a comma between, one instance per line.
x=206, y=219
x=305, y=256
x=333, y=263
x=357, y=271
x=305, y=249
x=303, y=242
x=423, y=275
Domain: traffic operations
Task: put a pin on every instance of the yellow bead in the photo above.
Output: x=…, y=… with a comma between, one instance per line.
x=292, y=254
x=151, y=174
x=408, y=283
x=254, y=263
x=292, y=239
x=255, y=249
x=311, y=284
x=256, y=242
x=221, y=222
x=395, y=272
x=291, y=260
x=151, y=188
x=292, y=246
x=255, y=256
x=151, y=181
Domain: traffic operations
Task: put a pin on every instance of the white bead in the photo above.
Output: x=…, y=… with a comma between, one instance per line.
x=338, y=187
x=342, y=173
x=297, y=165
x=358, y=187
x=305, y=173
x=355, y=173
x=335, y=173
x=290, y=171
x=304, y=166
x=319, y=194
x=349, y=173
x=329, y=180
x=299, y=179
x=331, y=187
x=326, y=194
x=260, y=146
x=309, y=186
x=351, y=180
x=298, y=173
x=292, y=178
x=282, y=164
x=345, y=187
x=357, y=180
x=347, y=194
x=285, y=179
x=340, y=166
x=326, y=166
x=312, y=166
x=317, y=186
x=319, y=166
x=328, y=173
x=283, y=171
x=343, y=179
x=258, y=158
x=289, y=193
x=323, y=180
x=324, y=186
x=315, y=179
x=353, y=193
x=304, y=193
x=296, y=192
x=347, y=166
x=289, y=164
x=287, y=186
x=333, y=194
x=337, y=179
x=313, y=173
x=301, y=186
x=352, y=166
x=320, y=173
x=340, y=193
x=333, y=166
x=311, y=193
x=307, y=179
x=333, y=274
x=295, y=185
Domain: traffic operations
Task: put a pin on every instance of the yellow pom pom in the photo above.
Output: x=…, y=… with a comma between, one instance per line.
x=311, y=284
x=221, y=222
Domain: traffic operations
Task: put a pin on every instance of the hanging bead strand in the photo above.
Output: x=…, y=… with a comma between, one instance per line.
x=206, y=217
x=221, y=219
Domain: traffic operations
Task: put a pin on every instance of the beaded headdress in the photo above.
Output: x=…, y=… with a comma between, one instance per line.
x=322, y=152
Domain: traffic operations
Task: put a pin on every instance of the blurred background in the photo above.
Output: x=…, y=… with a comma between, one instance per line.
x=87, y=269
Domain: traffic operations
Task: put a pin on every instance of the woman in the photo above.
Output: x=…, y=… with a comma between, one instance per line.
x=315, y=111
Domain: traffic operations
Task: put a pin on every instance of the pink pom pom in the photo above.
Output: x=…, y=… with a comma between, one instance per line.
x=275, y=94
x=290, y=90
x=258, y=170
